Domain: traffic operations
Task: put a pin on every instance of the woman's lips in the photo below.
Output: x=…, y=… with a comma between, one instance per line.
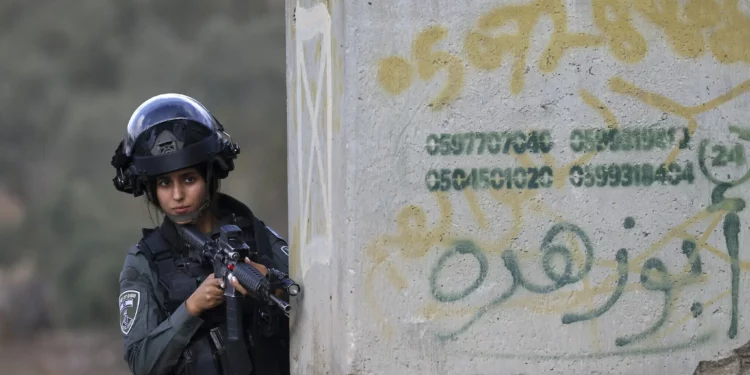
x=181, y=210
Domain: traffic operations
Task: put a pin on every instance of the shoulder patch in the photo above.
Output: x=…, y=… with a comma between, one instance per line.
x=129, y=301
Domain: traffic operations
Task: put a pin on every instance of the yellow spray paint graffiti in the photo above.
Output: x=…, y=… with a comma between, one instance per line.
x=692, y=30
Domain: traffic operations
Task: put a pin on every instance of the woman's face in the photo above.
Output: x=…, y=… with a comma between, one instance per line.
x=180, y=192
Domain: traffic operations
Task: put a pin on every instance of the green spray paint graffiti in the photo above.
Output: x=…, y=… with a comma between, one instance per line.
x=461, y=247
x=489, y=178
x=627, y=174
x=493, y=143
x=731, y=226
x=654, y=274
x=628, y=140
x=622, y=272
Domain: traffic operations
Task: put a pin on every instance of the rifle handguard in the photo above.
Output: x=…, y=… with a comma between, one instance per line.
x=251, y=279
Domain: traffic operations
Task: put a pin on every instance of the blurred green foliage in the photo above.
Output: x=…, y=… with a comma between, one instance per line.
x=73, y=72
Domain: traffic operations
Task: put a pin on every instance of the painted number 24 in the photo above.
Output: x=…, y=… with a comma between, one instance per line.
x=723, y=155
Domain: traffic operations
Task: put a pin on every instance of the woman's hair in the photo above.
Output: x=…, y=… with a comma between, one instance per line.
x=153, y=215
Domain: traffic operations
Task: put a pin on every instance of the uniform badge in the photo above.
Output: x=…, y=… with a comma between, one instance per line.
x=129, y=301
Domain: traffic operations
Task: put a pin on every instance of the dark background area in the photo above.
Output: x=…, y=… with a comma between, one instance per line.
x=72, y=74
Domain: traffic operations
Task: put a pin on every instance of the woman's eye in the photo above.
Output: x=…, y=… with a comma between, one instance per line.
x=163, y=182
x=190, y=179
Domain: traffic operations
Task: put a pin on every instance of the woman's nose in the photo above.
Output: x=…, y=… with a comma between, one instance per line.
x=178, y=192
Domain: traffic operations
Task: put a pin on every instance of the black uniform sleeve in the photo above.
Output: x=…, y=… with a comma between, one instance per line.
x=153, y=345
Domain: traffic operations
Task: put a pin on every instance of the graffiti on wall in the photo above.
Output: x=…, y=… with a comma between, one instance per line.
x=700, y=27
x=673, y=266
x=581, y=175
x=566, y=253
x=313, y=107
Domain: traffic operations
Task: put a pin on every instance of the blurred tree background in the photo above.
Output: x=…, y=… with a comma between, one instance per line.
x=72, y=73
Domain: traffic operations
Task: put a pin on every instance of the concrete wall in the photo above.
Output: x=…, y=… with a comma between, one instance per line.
x=324, y=315
x=518, y=187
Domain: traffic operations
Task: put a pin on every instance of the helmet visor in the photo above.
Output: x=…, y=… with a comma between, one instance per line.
x=163, y=108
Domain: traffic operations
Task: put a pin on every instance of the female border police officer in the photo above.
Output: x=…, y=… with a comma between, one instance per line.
x=172, y=315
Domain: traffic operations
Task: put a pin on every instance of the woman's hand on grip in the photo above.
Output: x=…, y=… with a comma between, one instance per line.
x=208, y=295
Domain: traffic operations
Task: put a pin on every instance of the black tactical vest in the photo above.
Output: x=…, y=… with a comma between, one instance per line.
x=179, y=275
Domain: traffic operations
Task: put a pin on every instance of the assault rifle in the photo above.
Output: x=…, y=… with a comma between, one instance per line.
x=227, y=255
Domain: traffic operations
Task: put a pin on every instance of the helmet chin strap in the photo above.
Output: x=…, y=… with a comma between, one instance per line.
x=190, y=217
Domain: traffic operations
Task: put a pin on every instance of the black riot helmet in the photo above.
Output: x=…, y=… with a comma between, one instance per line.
x=169, y=132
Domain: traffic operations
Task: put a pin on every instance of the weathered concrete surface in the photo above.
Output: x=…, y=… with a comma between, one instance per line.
x=324, y=321
x=737, y=364
x=519, y=187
